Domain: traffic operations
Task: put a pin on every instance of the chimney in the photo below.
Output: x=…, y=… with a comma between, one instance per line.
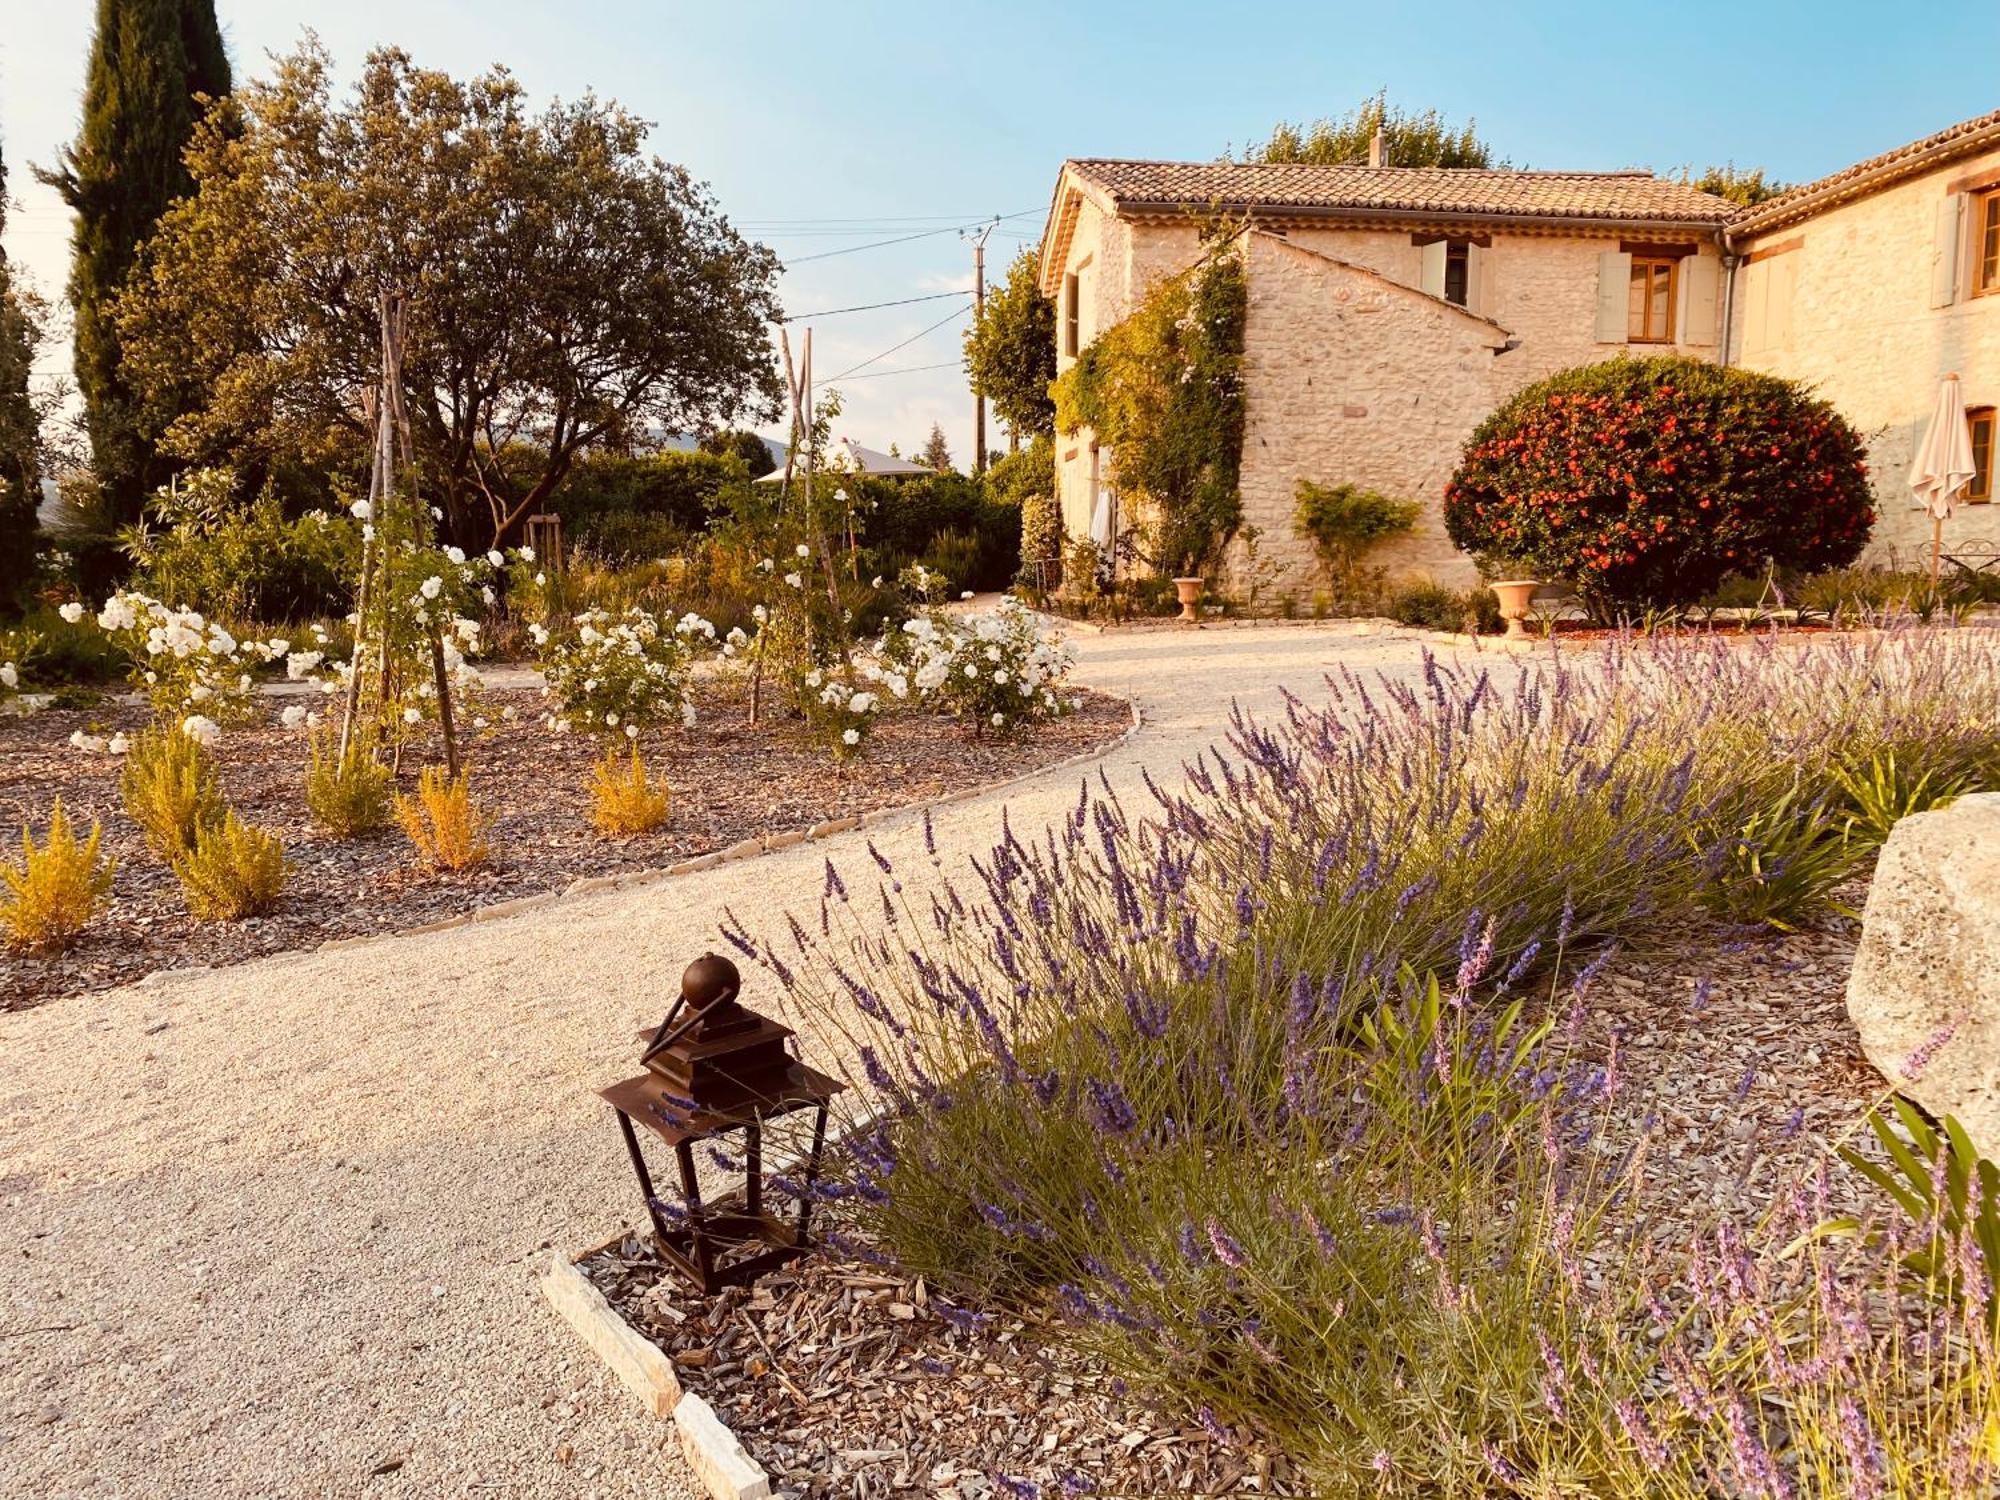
x=1376, y=150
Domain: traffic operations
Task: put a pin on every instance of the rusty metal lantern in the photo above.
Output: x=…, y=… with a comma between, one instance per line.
x=713, y=1067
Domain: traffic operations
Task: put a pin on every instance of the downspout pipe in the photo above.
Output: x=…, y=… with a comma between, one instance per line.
x=1731, y=260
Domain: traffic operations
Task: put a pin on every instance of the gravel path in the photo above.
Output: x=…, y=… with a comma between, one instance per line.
x=266, y=1227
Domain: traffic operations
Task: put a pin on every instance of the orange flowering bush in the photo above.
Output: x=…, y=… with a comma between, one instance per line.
x=1648, y=481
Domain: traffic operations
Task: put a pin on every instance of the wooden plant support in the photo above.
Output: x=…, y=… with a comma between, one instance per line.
x=393, y=448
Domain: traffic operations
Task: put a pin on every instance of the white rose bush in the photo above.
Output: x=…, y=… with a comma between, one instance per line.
x=998, y=671
x=621, y=674
x=184, y=663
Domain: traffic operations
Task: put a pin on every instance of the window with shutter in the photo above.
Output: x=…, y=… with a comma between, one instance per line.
x=1072, y=321
x=1986, y=248
x=1614, y=270
x=1649, y=308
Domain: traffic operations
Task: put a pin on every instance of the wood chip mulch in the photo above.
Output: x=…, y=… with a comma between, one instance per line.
x=729, y=783
x=843, y=1378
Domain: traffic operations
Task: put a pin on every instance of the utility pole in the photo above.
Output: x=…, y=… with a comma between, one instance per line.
x=979, y=312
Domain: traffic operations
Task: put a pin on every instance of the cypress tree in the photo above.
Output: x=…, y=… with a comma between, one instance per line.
x=20, y=470
x=148, y=61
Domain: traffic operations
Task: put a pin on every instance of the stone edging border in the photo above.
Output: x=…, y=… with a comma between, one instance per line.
x=750, y=848
x=1376, y=626
x=717, y=1456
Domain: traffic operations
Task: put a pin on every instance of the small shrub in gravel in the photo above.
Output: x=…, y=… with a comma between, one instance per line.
x=442, y=822
x=56, y=889
x=1431, y=606
x=620, y=674
x=233, y=871
x=351, y=794
x=625, y=799
x=171, y=789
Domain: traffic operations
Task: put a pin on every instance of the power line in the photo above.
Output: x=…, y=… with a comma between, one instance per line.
x=889, y=219
x=799, y=260
x=831, y=312
x=956, y=312
x=949, y=364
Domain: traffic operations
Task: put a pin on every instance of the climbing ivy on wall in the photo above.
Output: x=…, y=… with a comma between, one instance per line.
x=1164, y=390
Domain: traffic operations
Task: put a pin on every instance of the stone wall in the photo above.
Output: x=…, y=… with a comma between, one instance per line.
x=1846, y=306
x=1352, y=378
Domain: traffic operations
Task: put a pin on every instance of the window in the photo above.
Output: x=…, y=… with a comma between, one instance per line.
x=1457, y=261
x=1072, y=319
x=1986, y=227
x=1980, y=422
x=1650, y=305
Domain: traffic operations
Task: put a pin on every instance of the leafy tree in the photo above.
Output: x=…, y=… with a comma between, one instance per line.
x=20, y=424
x=1409, y=138
x=1010, y=351
x=565, y=290
x=744, y=444
x=934, y=453
x=1744, y=185
x=154, y=67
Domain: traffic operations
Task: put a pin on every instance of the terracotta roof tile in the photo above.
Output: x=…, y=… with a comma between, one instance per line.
x=1878, y=172
x=1619, y=197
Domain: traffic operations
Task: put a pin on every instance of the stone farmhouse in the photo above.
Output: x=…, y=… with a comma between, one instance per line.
x=1392, y=308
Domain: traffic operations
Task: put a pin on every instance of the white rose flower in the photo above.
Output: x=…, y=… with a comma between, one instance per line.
x=431, y=587
x=202, y=731
x=495, y=558
x=526, y=554
x=362, y=510
x=611, y=721
x=851, y=737
x=411, y=715
x=792, y=580
x=631, y=731
x=454, y=555
x=71, y=612
x=118, y=744
x=10, y=676
x=293, y=716
x=803, y=550
x=998, y=720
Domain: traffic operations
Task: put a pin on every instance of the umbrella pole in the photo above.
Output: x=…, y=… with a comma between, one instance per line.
x=1937, y=543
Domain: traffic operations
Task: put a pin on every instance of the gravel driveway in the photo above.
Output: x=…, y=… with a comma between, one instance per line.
x=266, y=1227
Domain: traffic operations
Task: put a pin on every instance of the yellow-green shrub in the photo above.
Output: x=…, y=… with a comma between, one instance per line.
x=347, y=794
x=171, y=790
x=444, y=825
x=624, y=800
x=234, y=870
x=56, y=889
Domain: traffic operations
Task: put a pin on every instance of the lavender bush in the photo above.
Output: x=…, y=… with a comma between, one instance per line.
x=1273, y=1086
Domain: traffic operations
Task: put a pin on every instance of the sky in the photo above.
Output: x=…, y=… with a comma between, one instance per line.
x=826, y=129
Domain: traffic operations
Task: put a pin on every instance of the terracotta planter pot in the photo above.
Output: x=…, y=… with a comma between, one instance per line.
x=1515, y=597
x=1189, y=592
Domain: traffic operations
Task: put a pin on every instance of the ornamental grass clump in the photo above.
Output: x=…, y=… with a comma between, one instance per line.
x=171, y=789
x=349, y=793
x=625, y=799
x=56, y=889
x=232, y=871
x=443, y=824
x=1269, y=1083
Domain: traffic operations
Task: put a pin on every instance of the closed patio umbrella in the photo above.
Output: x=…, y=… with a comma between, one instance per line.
x=1943, y=465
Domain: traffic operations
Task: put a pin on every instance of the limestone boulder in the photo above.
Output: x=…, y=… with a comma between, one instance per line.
x=1929, y=964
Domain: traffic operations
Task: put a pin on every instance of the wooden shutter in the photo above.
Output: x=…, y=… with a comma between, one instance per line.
x=1698, y=287
x=1779, y=297
x=1432, y=279
x=1475, y=280
x=1614, y=296
x=1945, y=246
x=1756, y=295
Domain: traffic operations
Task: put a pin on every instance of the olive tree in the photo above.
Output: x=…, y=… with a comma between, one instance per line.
x=565, y=289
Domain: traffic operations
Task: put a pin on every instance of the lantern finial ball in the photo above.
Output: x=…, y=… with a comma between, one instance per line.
x=710, y=980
